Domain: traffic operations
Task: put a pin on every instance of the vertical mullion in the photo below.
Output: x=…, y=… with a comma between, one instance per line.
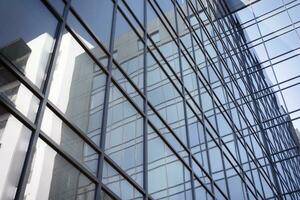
x=98, y=193
x=145, y=121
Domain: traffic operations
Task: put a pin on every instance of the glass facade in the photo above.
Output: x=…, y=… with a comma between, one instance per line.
x=149, y=99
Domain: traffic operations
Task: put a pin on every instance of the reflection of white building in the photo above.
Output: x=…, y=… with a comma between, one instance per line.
x=14, y=137
x=44, y=160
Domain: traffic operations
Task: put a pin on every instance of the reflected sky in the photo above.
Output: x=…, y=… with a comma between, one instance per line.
x=280, y=54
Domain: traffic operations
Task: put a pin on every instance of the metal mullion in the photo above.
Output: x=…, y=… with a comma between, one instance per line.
x=272, y=68
x=224, y=153
x=163, y=57
x=173, y=39
x=296, y=118
x=98, y=194
x=271, y=65
x=288, y=149
x=238, y=131
x=145, y=122
x=172, y=82
x=231, y=155
x=34, y=138
x=225, y=148
x=23, y=79
x=171, y=129
x=251, y=4
x=76, y=164
x=112, y=80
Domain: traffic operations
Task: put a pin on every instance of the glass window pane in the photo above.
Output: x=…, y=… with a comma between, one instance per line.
x=52, y=177
x=55, y=128
x=98, y=16
x=167, y=176
x=118, y=184
x=14, y=140
x=16, y=93
x=128, y=54
x=124, y=136
x=27, y=40
x=78, y=87
x=87, y=39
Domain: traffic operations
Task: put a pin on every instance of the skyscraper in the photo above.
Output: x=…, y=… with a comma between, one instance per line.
x=145, y=99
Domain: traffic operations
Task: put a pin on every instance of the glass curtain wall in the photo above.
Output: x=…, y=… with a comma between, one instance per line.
x=147, y=99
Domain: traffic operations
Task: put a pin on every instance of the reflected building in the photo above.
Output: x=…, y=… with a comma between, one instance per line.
x=131, y=99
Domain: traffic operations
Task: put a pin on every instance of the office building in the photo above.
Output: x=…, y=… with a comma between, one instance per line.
x=148, y=99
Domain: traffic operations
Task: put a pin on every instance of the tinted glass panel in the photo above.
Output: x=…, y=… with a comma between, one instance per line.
x=77, y=87
x=168, y=178
x=124, y=136
x=14, y=140
x=118, y=184
x=98, y=16
x=52, y=177
x=27, y=40
x=17, y=94
x=55, y=128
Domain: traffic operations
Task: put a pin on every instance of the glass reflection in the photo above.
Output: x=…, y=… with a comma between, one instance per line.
x=167, y=176
x=128, y=51
x=55, y=128
x=124, y=135
x=78, y=86
x=14, y=140
x=52, y=177
x=118, y=184
x=17, y=94
x=98, y=16
x=27, y=40
x=106, y=196
x=165, y=98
